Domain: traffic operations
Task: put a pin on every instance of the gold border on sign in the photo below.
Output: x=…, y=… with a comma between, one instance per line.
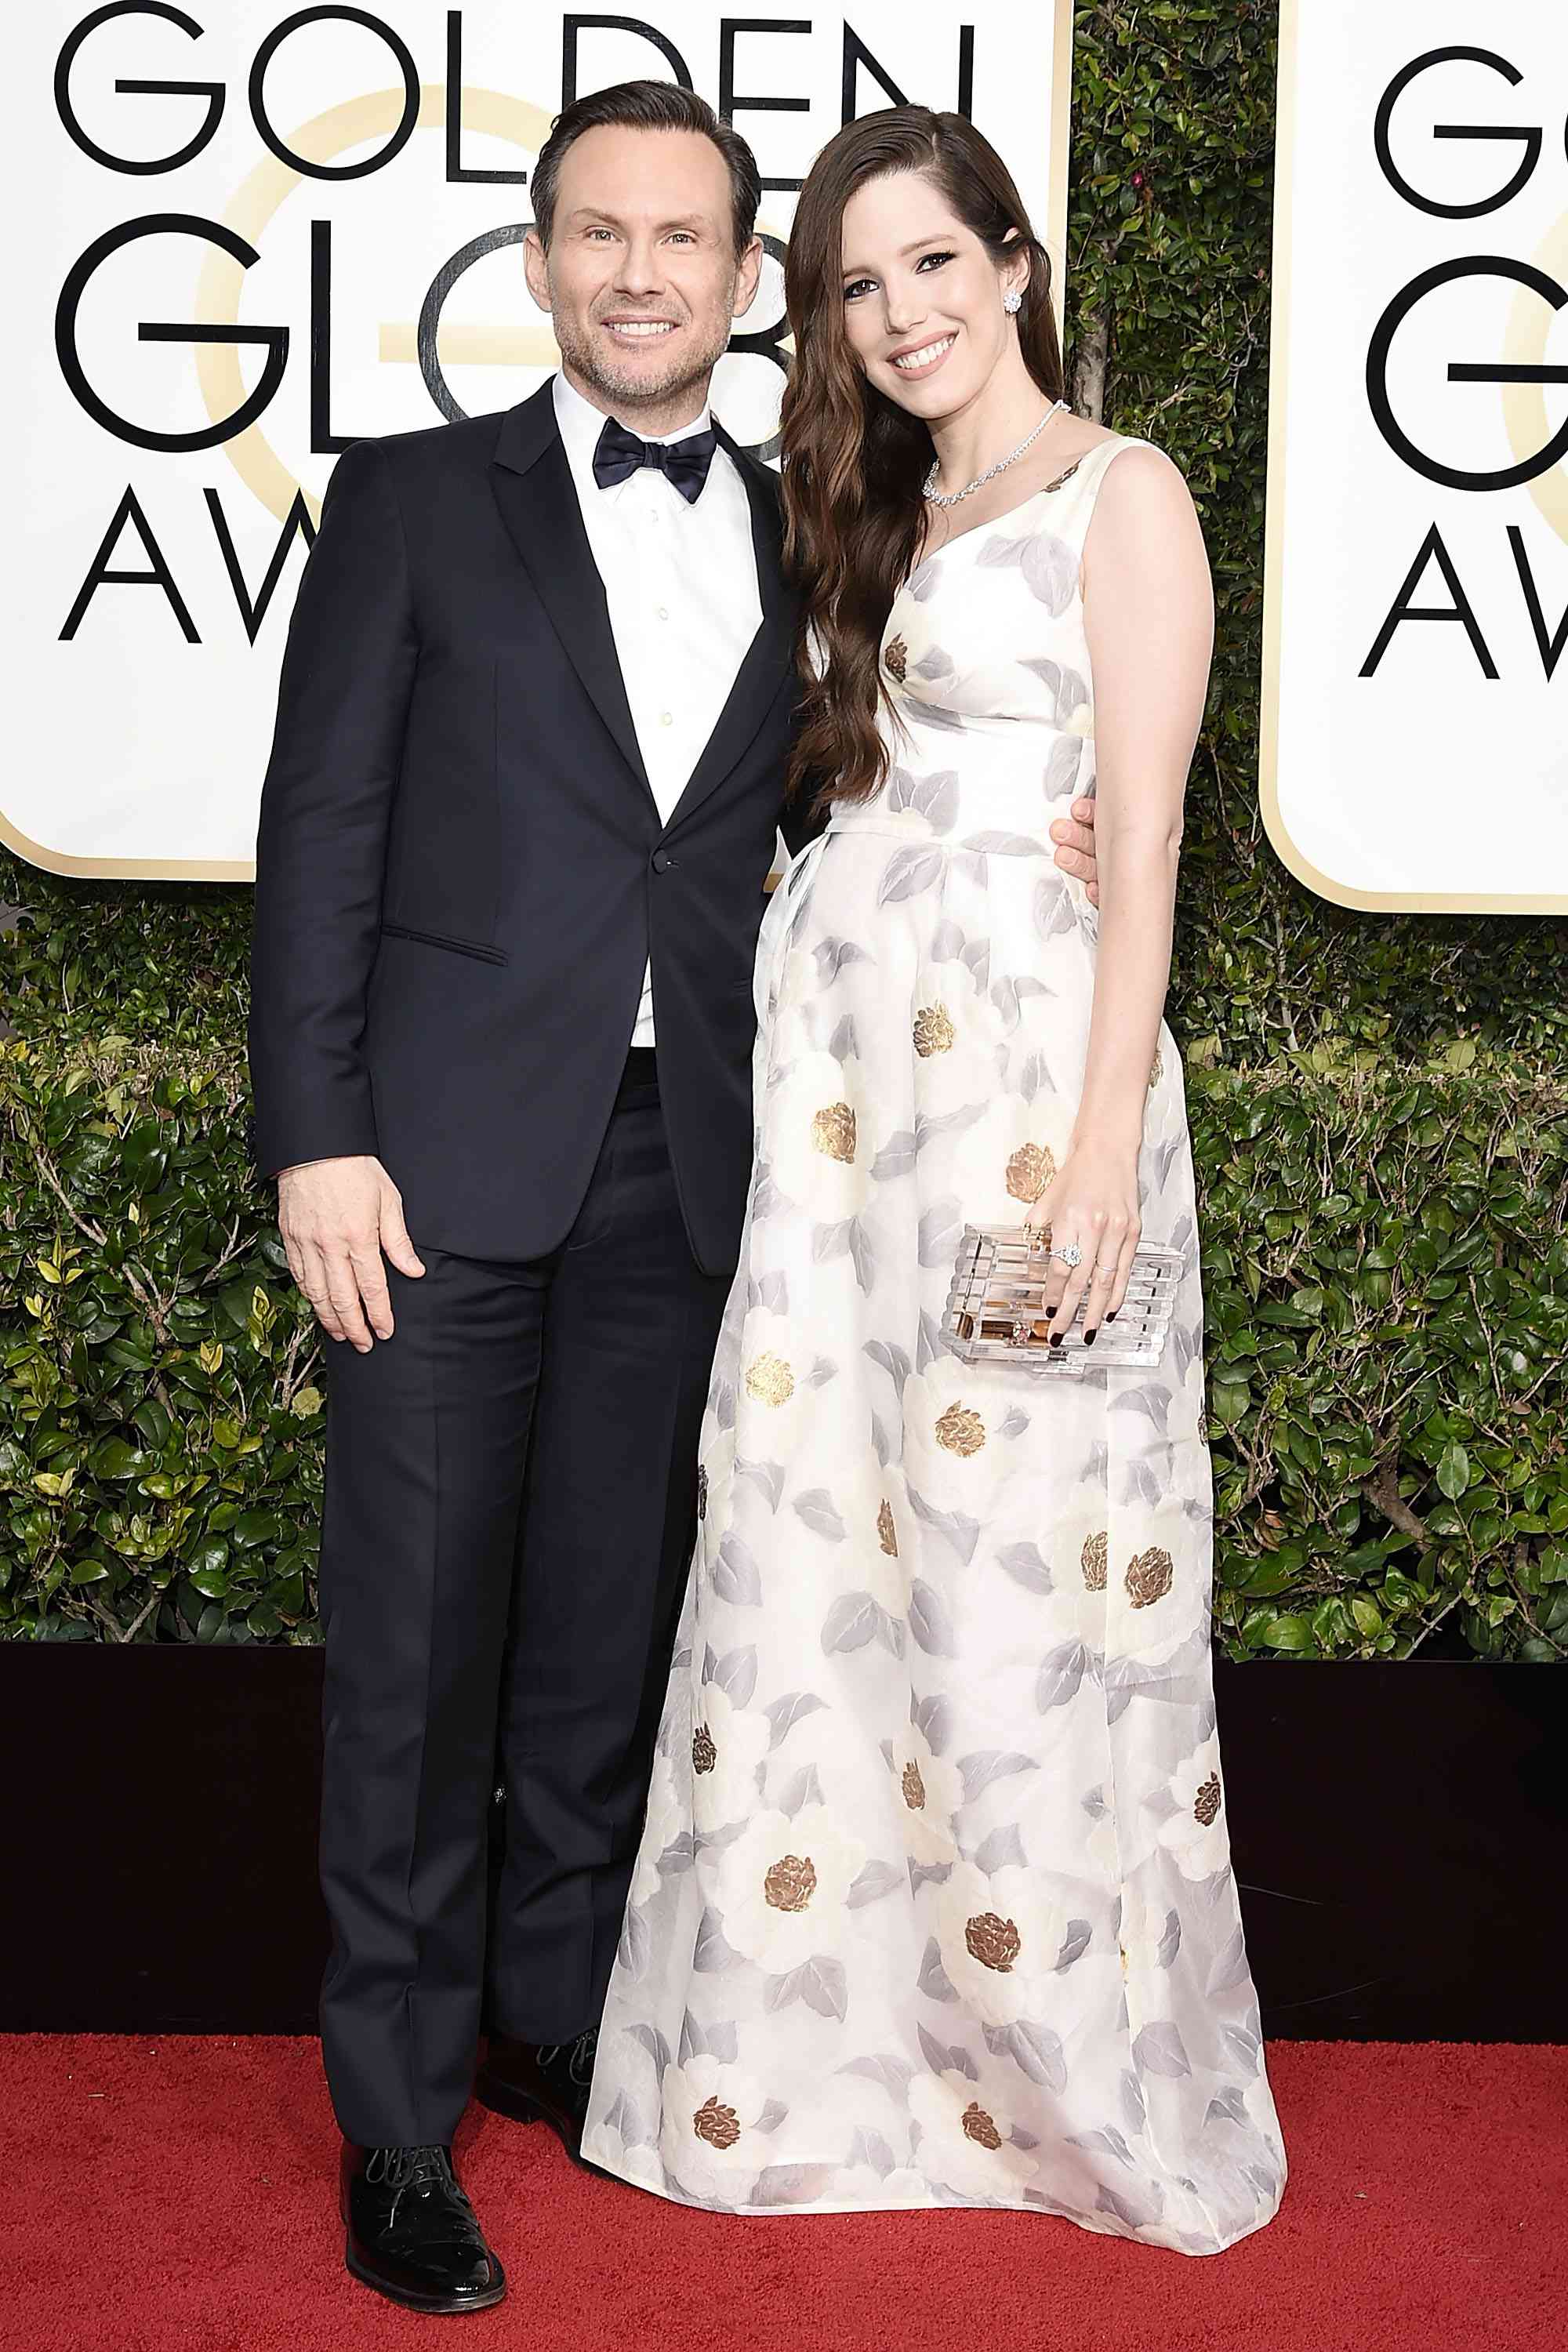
x=1552, y=502
x=218, y=292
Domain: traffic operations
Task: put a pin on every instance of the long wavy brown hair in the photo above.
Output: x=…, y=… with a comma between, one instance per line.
x=853, y=461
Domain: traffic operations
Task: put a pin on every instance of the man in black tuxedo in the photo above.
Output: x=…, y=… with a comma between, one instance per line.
x=532, y=727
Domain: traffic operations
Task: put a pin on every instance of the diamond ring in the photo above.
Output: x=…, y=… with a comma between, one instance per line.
x=1069, y=1253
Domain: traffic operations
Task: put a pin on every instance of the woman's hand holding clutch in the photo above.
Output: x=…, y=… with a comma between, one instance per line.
x=1089, y=1218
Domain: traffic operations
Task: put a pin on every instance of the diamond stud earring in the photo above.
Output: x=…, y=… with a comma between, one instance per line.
x=1012, y=300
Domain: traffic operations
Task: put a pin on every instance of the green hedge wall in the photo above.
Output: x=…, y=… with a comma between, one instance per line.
x=1377, y=1102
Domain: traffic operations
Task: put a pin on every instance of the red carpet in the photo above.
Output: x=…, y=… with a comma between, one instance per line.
x=176, y=2196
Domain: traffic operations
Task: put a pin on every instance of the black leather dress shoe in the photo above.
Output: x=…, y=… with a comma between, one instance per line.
x=545, y=2083
x=411, y=2233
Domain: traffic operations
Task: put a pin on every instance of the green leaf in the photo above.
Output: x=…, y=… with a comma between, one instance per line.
x=1454, y=1471
x=1289, y=1633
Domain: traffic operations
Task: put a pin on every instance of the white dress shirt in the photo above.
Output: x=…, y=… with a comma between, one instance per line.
x=680, y=580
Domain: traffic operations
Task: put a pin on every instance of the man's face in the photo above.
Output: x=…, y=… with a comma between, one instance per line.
x=641, y=278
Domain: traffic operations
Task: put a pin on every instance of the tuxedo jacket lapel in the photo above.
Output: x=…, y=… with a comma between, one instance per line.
x=533, y=487
x=763, y=667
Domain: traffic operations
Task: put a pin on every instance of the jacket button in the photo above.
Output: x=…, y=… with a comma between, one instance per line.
x=662, y=861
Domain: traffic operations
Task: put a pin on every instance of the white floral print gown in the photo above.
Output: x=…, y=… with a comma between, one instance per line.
x=934, y=1903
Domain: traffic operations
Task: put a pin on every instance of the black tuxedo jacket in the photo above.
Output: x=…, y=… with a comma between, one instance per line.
x=461, y=870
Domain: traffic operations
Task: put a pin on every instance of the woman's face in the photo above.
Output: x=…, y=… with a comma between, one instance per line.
x=922, y=297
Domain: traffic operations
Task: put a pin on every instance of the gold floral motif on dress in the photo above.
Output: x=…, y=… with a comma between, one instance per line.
x=1205, y=1804
x=704, y=1755
x=833, y=1132
x=1149, y=1577
x=914, y=1789
x=959, y=1431
x=1030, y=1169
x=1094, y=1560
x=981, y=2128
x=701, y=1493
x=769, y=1378
x=887, y=1533
x=791, y=1883
x=719, y=2126
x=934, y=1032
x=1158, y=1070
x=896, y=659
x=995, y=1943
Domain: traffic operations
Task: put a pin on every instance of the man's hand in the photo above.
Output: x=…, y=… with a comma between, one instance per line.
x=336, y=1217
x=1075, y=855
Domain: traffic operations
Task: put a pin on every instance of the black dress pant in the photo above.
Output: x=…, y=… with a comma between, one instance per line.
x=511, y=1500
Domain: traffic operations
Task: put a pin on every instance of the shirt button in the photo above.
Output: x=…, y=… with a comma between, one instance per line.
x=661, y=861
x=667, y=718
x=662, y=611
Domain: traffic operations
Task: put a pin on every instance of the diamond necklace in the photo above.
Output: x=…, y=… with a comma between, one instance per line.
x=950, y=498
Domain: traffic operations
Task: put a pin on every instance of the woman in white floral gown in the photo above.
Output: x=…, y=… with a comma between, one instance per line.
x=934, y=1903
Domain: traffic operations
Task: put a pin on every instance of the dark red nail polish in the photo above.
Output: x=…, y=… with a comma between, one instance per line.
x=1056, y=1338
x=1111, y=1315
x=1088, y=1337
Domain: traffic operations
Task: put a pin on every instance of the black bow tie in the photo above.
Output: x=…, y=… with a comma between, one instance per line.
x=618, y=454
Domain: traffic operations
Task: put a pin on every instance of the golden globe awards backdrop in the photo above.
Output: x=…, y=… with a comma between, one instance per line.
x=252, y=235
x=1415, y=752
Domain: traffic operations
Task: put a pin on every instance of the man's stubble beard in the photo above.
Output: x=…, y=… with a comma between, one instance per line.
x=625, y=390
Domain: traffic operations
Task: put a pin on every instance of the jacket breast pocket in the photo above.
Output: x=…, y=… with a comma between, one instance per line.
x=440, y=940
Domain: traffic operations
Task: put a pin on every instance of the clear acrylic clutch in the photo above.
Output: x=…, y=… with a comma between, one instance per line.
x=996, y=1310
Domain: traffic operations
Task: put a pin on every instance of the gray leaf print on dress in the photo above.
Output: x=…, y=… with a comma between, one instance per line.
x=1054, y=911
x=1160, y=2050
x=768, y=1478
x=637, y=1941
x=930, y=1622
x=933, y=1718
x=1109, y=2139
x=1023, y=1564
x=933, y=714
x=698, y=2041
x=786, y=1712
x=629, y=2121
x=735, y=1575
x=892, y=1358
x=1062, y=765
x=842, y=1045
x=934, y=664
x=959, y=1529
x=1002, y=845
x=896, y=1158
x=892, y=2073
x=1230, y=1969
x=802, y=1788
x=1137, y=2212
x=773, y=2114
x=736, y=1673
x=1050, y=569
x=943, y=2060
x=946, y=942
x=941, y=1231
x=1075, y=1943
x=855, y=1619
x=934, y=1980
x=862, y=1253
x=1034, y=2048
x=934, y=797
x=988, y=1764
x=870, y=2147
x=793, y=2184
x=820, y=1982
x=815, y=1507
x=1000, y=1850
x=831, y=956
x=713, y=1952
x=999, y=552
x=1034, y=1078
x=1171, y=1940
x=654, y=2043
x=907, y=873
x=877, y=1879
x=1228, y=2105
x=1061, y=1675
x=1068, y=688
x=922, y=583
